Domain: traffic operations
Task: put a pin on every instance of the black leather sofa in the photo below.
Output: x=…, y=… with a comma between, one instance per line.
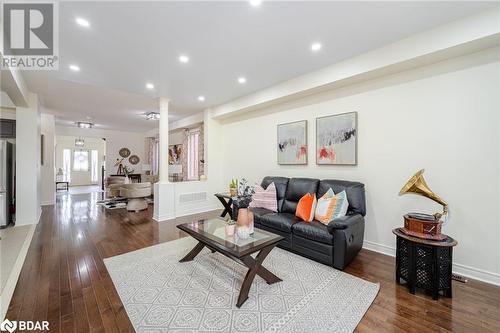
x=335, y=244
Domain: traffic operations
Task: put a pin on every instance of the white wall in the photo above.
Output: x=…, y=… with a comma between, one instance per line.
x=28, y=175
x=176, y=137
x=78, y=178
x=443, y=117
x=5, y=101
x=48, y=186
x=115, y=140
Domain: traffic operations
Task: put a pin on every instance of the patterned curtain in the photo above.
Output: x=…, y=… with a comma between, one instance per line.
x=201, y=151
x=184, y=156
x=153, y=151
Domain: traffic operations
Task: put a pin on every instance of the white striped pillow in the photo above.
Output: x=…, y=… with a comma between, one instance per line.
x=265, y=198
x=330, y=207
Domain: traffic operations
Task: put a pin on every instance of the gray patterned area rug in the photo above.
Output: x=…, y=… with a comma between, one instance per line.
x=162, y=295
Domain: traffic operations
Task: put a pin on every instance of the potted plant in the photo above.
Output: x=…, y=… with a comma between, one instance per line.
x=230, y=227
x=127, y=172
x=233, y=187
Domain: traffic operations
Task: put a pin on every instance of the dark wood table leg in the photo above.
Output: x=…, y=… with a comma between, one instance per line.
x=255, y=267
x=193, y=253
x=227, y=206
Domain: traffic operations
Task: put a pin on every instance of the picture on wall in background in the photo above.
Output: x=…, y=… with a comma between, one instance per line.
x=292, y=143
x=174, y=154
x=336, y=139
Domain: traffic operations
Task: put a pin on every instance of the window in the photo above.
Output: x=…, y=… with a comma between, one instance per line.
x=67, y=165
x=192, y=158
x=80, y=160
x=94, y=171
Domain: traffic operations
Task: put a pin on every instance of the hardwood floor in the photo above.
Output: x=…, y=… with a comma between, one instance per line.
x=64, y=279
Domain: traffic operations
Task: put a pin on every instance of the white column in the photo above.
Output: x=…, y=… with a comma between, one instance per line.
x=163, y=137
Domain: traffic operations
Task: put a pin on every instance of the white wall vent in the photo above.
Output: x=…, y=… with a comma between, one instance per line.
x=192, y=197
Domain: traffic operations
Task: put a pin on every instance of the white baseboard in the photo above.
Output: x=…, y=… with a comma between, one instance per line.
x=163, y=217
x=186, y=212
x=29, y=221
x=380, y=248
x=197, y=210
x=477, y=274
x=467, y=271
x=11, y=283
x=47, y=203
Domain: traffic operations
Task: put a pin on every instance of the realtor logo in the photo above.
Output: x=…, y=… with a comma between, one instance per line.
x=11, y=326
x=29, y=39
x=8, y=325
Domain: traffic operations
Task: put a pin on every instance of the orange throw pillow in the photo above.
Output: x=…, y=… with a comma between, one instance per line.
x=306, y=207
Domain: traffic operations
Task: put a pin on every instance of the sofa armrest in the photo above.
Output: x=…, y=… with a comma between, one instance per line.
x=344, y=222
x=348, y=233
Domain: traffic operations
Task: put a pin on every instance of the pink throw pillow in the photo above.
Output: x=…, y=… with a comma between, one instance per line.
x=265, y=198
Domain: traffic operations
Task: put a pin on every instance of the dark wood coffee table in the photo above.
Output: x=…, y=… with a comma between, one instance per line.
x=211, y=233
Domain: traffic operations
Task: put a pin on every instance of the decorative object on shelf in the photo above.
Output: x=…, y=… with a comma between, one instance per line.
x=424, y=263
x=124, y=152
x=79, y=142
x=60, y=175
x=146, y=168
x=292, y=143
x=245, y=219
x=424, y=225
x=175, y=172
x=230, y=227
x=336, y=139
x=174, y=154
x=152, y=116
x=134, y=159
x=119, y=164
x=233, y=187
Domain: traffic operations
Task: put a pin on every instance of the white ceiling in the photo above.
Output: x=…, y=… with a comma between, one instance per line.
x=131, y=43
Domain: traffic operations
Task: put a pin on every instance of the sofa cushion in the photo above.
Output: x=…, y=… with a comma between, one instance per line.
x=355, y=193
x=331, y=208
x=258, y=213
x=314, y=230
x=281, y=184
x=306, y=207
x=265, y=198
x=297, y=187
x=279, y=221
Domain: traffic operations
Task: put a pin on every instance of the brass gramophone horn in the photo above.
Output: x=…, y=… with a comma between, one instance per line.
x=417, y=185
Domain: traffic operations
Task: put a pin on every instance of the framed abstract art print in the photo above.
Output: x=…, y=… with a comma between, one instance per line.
x=336, y=139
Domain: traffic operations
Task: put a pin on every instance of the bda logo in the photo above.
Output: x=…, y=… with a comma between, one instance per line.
x=8, y=325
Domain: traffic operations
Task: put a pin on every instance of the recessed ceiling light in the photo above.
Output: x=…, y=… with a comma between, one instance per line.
x=152, y=116
x=150, y=86
x=183, y=58
x=83, y=22
x=84, y=124
x=255, y=3
x=316, y=47
x=201, y=98
x=74, y=68
x=242, y=80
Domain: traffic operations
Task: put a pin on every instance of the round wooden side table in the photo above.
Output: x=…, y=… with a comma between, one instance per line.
x=424, y=263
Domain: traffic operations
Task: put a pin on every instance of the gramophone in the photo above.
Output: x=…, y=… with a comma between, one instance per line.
x=423, y=225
